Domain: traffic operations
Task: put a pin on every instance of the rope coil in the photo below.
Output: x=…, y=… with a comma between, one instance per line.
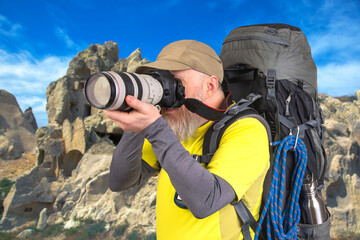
x=284, y=224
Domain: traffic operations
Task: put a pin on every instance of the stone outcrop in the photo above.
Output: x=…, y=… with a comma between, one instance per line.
x=17, y=134
x=30, y=118
x=29, y=195
x=74, y=154
x=131, y=63
x=75, y=135
x=86, y=195
x=342, y=143
x=65, y=98
x=74, y=126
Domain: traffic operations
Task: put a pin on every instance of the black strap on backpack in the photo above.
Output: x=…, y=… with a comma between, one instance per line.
x=211, y=143
x=216, y=130
x=247, y=219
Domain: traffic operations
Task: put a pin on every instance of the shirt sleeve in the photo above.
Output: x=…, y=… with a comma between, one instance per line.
x=127, y=168
x=149, y=156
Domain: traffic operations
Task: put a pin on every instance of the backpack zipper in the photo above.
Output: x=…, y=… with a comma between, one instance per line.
x=257, y=38
x=287, y=105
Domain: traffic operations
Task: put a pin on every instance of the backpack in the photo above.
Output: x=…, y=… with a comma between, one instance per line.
x=271, y=75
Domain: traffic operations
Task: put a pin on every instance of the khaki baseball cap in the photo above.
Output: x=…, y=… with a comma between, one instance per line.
x=187, y=54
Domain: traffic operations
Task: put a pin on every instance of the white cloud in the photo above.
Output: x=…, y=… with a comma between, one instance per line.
x=334, y=39
x=62, y=35
x=337, y=30
x=339, y=79
x=38, y=104
x=21, y=72
x=341, y=39
x=27, y=78
x=7, y=28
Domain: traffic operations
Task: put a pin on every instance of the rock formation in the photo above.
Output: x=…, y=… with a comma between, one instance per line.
x=342, y=141
x=74, y=154
x=17, y=134
x=75, y=150
x=65, y=96
x=30, y=118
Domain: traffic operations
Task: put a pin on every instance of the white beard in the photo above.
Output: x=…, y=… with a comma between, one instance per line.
x=186, y=126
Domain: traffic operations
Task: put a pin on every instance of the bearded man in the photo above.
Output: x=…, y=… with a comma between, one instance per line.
x=193, y=200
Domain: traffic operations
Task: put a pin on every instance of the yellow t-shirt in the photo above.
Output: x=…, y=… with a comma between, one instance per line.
x=242, y=159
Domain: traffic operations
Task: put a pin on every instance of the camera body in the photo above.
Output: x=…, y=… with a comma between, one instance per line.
x=107, y=90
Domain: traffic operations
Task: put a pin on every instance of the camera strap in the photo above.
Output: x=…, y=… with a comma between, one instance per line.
x=205, y=111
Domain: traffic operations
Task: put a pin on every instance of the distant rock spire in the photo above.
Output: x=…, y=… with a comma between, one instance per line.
x=30, y=118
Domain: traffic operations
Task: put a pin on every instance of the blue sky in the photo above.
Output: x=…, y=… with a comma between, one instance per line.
x=39, y=38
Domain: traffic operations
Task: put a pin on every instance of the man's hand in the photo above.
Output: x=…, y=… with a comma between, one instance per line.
x=142, y=115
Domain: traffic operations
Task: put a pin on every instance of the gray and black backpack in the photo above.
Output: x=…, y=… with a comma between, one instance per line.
x=270, y=72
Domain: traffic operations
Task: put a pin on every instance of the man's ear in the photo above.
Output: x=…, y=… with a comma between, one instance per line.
x=211, y=85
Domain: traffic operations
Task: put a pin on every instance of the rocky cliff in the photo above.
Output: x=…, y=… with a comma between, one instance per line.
x=74, y=154
x=342, y=141
x=17, y=129
x=75, y=149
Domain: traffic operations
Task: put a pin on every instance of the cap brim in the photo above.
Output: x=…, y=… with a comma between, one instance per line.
x=164, y=65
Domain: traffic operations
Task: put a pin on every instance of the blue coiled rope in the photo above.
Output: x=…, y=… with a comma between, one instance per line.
x=284, y=224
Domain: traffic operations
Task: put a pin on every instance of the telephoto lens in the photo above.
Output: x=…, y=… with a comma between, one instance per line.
x=107, y=90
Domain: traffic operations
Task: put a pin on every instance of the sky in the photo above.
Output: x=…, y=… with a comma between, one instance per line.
x=39, y=38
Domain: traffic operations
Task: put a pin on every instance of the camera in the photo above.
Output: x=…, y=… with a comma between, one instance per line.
x=107, y=90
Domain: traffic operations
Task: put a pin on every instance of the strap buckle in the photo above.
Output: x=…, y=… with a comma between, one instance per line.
x=202, y=158
x=270, y=78
x=270, y=83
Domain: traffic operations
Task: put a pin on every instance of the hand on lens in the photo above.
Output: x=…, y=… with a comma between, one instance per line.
x=142, y=115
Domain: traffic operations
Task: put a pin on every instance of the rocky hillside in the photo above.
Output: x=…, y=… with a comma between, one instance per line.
x=342, y=146
x=70, y=180
x=69, y=183
x=17, y=129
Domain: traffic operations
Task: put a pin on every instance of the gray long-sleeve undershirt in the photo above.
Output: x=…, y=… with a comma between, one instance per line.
x=203, y=192
x=127, y=169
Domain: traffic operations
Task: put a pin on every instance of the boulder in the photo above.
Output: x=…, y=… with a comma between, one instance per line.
x=26, y=234
x=41, y=224
x=72, y=224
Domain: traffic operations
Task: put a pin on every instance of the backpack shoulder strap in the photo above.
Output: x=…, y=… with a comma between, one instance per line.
x=247, y=219
x=215, y=132
x=211, y=143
